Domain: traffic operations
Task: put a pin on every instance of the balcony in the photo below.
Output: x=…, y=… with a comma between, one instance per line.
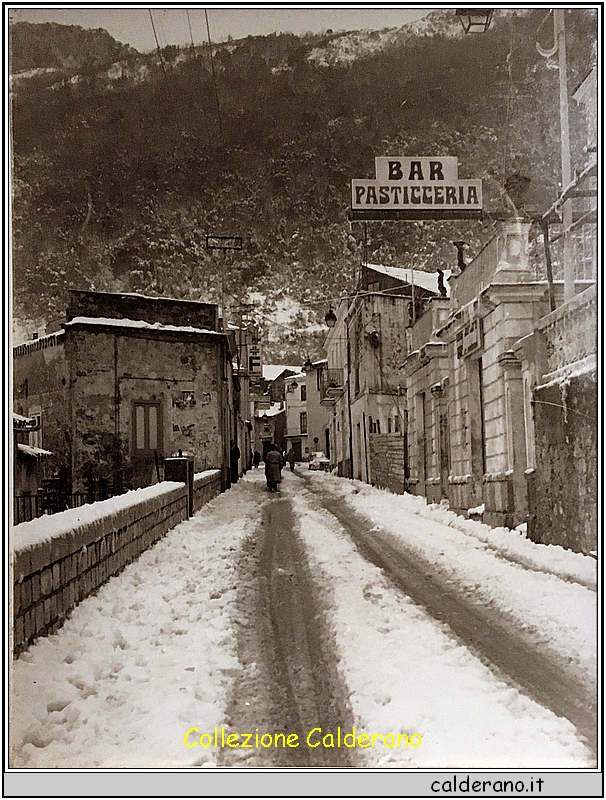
x=331, y=385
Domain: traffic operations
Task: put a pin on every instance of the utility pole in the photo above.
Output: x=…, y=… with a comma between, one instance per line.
x=559, y=45
x=560, y=39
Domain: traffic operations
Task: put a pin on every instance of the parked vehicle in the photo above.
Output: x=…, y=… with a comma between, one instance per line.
x=319, y=461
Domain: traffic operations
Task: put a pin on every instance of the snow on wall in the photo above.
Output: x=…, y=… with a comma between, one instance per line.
x=59, y=560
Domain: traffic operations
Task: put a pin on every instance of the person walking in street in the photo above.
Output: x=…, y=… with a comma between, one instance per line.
x=291, y=457
x=273, y=468
x=234, y=457
x=256, y=459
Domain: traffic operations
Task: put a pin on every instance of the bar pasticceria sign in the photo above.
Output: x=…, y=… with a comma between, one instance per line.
x=414, y=187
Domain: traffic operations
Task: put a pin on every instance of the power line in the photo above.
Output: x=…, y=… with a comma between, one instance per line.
x=158, y=45
x=214, y=76
x=191, y=35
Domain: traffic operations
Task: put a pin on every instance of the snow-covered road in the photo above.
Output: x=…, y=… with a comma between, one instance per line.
x=171, y=644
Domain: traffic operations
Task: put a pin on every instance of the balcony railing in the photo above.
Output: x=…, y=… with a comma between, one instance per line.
x=331, y=383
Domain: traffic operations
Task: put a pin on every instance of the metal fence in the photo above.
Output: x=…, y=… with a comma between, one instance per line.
x=30, y=506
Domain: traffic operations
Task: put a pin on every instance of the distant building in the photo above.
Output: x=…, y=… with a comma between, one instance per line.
x=297, y=420
x=363, y=386
x=318, y=415
x=269, y=407
x=128, y=381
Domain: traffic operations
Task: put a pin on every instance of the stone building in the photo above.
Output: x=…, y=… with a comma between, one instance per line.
x=126, y=382
x=363, y=386
x=502, y=397
x=269, y=406
x=465, y=397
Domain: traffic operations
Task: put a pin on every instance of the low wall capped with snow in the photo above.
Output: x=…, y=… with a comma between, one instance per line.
x=60, y=559
x=571, y=331
x=206, y=486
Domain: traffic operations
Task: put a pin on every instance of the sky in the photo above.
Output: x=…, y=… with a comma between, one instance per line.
x=132, y=25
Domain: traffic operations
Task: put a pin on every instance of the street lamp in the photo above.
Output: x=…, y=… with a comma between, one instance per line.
x=475, y=20
x=331, y=318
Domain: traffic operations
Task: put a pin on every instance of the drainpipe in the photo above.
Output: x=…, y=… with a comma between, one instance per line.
x=117, y=443
x=544, y=223
x=351, y=474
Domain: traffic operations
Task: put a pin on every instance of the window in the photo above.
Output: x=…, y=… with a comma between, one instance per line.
x=388, y=424
x=147, y=428
x=35, y=437
x=303, y=392
x=303, y=421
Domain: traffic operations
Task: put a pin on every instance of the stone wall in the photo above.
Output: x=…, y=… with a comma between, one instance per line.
x=206, y=486
x=59, y=560
x=565, y=504
x=41, y=386
x=571, y=331
x=387, y=461
x=112, y=369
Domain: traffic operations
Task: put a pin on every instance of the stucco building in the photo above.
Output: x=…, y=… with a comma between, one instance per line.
x=127, y=381
x=363, y=386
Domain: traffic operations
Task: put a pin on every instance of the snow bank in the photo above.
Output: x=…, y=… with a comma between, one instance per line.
x=565, y=564
x=542, y=589
x=148, y=657
x=406, y=673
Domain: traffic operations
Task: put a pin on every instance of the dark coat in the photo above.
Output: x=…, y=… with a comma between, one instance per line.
x=273, y=466
x=291, y=456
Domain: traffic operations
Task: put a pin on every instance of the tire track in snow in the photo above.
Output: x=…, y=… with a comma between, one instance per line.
x=289, y=682
x=481, y=629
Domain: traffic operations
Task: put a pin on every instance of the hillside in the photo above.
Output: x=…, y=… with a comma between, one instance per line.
x=124, y=162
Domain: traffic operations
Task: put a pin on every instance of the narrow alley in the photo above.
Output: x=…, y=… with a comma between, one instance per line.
x=332, y=624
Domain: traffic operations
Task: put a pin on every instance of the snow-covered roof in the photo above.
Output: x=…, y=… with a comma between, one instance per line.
x=275, y=408
x=139, y=324
x=416, y=277
x=41, y=340
x=23, y=423
x=273, y=371
x=33, y=451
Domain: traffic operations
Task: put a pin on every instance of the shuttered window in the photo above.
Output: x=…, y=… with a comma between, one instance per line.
x=147, y=430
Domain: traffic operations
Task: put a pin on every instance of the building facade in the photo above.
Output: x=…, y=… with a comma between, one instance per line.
x=363, y=387
x=502, y=397
x=128, y=381
x=296, y=433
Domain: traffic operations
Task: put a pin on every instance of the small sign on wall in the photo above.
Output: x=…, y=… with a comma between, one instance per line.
x=254, y=359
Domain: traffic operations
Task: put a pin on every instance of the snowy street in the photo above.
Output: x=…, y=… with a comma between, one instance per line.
x=267, y=628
